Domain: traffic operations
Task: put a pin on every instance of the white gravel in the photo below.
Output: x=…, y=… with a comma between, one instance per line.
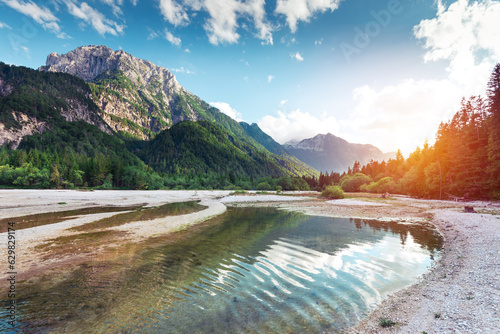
x=460, y=294
x=349, y=201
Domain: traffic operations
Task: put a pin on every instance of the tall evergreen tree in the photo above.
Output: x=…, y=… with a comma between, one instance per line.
x=494, y=129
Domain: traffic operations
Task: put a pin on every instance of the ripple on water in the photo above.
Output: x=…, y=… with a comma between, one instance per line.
x=251, y=270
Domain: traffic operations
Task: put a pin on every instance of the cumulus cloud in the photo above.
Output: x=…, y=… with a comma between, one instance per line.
x=173, y=12
x=227, y=109
x=172, y=39
x=297, y=125
x=222, y=24
x=402, y=115
x=302, y=10
x=223, y=15
x=95, y=18
x=270, y=78
x=466, y=35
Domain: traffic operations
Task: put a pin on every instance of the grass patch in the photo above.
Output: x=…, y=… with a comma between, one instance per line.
x=386, y=322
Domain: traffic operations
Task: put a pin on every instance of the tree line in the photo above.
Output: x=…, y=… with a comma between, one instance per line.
x=464, y=161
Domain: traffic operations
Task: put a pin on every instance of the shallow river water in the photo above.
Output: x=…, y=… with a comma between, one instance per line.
x=250, y=270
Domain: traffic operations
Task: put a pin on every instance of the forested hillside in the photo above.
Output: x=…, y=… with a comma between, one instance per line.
x=50, y=139
x=464, y=161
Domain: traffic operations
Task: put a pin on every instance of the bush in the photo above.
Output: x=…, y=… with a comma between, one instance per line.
x=333, y=192
x=384, y=185
x=352, y=183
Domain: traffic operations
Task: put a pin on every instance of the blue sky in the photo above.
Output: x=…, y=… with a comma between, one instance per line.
x=379, y=72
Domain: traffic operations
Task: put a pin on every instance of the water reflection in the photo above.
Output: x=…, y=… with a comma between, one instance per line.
x=250, y=270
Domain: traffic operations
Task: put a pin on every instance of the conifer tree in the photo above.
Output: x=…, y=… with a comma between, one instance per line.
x=494, y=129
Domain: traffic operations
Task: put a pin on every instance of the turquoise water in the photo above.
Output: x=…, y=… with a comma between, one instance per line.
x=248, y=271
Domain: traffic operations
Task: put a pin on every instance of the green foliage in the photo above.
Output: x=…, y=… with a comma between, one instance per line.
x=333, y=192
x=384, y=185
x=195, y=148
x=463, y=162
x=75, y=154
x=385, y=322
x=352, y=183
x=40, y=95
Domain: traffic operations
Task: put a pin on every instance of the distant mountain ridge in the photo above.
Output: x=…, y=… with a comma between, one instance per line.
x=329, y=153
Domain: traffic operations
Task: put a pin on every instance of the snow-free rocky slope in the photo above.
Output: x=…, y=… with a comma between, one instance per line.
x=135, y=96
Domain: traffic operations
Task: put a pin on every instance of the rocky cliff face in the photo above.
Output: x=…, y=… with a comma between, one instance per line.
x=135, y=95
x=29, y=126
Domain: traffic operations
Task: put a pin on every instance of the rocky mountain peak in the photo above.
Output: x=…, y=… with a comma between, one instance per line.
x=89, y=62
x=316, y=143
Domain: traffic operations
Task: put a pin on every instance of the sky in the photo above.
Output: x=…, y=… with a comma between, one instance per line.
x=383, y=72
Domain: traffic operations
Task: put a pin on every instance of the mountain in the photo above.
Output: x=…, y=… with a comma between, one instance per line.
x=135, y=96
x=133, y=112
x=329, y=153
x=138, y=99
x=32, y=102
x=204, y=147
x=291, y=162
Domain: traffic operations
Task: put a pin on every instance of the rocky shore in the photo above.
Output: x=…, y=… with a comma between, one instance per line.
x=460, y=293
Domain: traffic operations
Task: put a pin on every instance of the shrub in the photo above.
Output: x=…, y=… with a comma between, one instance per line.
x=333, y=192
x=352, y=183
x=384, y=185
x=384, y=322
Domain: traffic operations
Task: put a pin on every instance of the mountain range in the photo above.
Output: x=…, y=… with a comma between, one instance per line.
x=151, y=116
x=332, y=153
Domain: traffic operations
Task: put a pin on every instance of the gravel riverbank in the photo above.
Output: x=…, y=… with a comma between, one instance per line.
x=460, y=294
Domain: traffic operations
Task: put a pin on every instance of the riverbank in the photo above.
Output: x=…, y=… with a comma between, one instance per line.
x=460, y=294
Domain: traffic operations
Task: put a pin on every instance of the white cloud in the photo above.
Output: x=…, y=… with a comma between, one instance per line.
x=96, y=19
x=4, y=26
x=270, y=78
x=467, y=36
x=222, y=24
x=227, y=109
x=282, y=103
x=302, y=10
x=187, y=50
x=256, y=10
x=297, y=56
x=172, y=39
x=297, y=125
x=182, y=70
x=402, y=115
x=134, y=2
x=115, y=6
x=152, y=34
x=173, y=12
x=41, y=15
